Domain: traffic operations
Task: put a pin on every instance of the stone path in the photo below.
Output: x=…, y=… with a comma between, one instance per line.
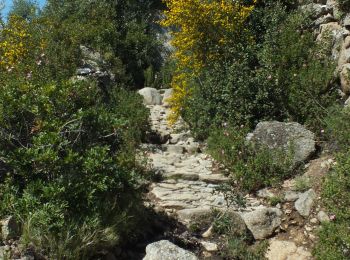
x=189, y=177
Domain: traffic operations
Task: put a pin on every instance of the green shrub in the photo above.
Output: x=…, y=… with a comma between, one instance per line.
x=238, y=249
x=302, y=183
x=251, y=167
x=337, y=127
x=283, y=74
x=334, y=240
x=68, y=155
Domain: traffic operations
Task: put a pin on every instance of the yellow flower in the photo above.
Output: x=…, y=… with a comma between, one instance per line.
x=203, y=27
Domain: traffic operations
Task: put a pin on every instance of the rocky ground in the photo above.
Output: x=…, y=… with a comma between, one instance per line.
x=288, y=217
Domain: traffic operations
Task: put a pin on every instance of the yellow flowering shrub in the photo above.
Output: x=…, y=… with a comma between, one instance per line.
x=202, y=29
x=14, y=42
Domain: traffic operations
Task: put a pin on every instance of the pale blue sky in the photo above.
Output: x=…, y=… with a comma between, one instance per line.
x=8, y=4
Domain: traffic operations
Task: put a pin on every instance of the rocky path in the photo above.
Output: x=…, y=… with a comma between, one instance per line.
x=188, y=181
x=189, y=177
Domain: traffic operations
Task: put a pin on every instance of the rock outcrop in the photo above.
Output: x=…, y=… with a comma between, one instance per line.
x=291, y=137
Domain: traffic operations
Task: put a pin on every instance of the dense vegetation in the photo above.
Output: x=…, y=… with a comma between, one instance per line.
x=68, y=170
x=68, y=167
x=252, y=61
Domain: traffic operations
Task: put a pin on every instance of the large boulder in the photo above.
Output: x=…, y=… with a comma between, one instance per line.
x=285, y=136
x=165, y=250
x=151, y=96
x=263, y=221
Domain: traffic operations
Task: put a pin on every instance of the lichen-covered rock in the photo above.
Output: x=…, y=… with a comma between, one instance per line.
x=165, y=250
x=285, y=136
x=305, y=202
x=263, y=221
x=151, y=96
x=334, y=32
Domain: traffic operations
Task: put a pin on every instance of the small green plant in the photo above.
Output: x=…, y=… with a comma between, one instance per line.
x=337, y=127
x=275, y=200
x=302, y=183
x=238, y=248
x=334, y=242
x=251, y=167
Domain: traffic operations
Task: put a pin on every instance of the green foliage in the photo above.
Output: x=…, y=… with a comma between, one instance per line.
x=337, y=127
x=275, y=200
x=251, y=167
x=68, y=158
x=238, y=249
x=302, y=183
x=28, y=9
x=126, y=29
x=282, y=75
x=239, y=243
x=334, y=240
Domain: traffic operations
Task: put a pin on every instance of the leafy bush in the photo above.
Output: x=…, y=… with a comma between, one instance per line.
x=238, y=249
x=68, y=157
x=282, y=75
x=126, y=29
x=251, y=167
x=334, y=240
x=337, y=127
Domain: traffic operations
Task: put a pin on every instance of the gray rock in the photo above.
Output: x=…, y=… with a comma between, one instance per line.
x=263, y=221
x=9, y=228
x=344, y=56
x=265, y=193
x=347, y=103
x=333, y=31
x=317, y=10
x=186, y=215
x=165, y=250
x=84, y=71
x=346, y=21
x=210, y=247
x=286, y=250
x=151, y=96
x=324, y=19
x=167, y=94
x=175, y=138
x=345, y=79
x=177, y=149
x=285, y=136
x=323, y=217
x=291, y=196
x=305, y=202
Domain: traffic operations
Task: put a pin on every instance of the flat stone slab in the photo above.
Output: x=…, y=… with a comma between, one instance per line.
x=165, y=250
